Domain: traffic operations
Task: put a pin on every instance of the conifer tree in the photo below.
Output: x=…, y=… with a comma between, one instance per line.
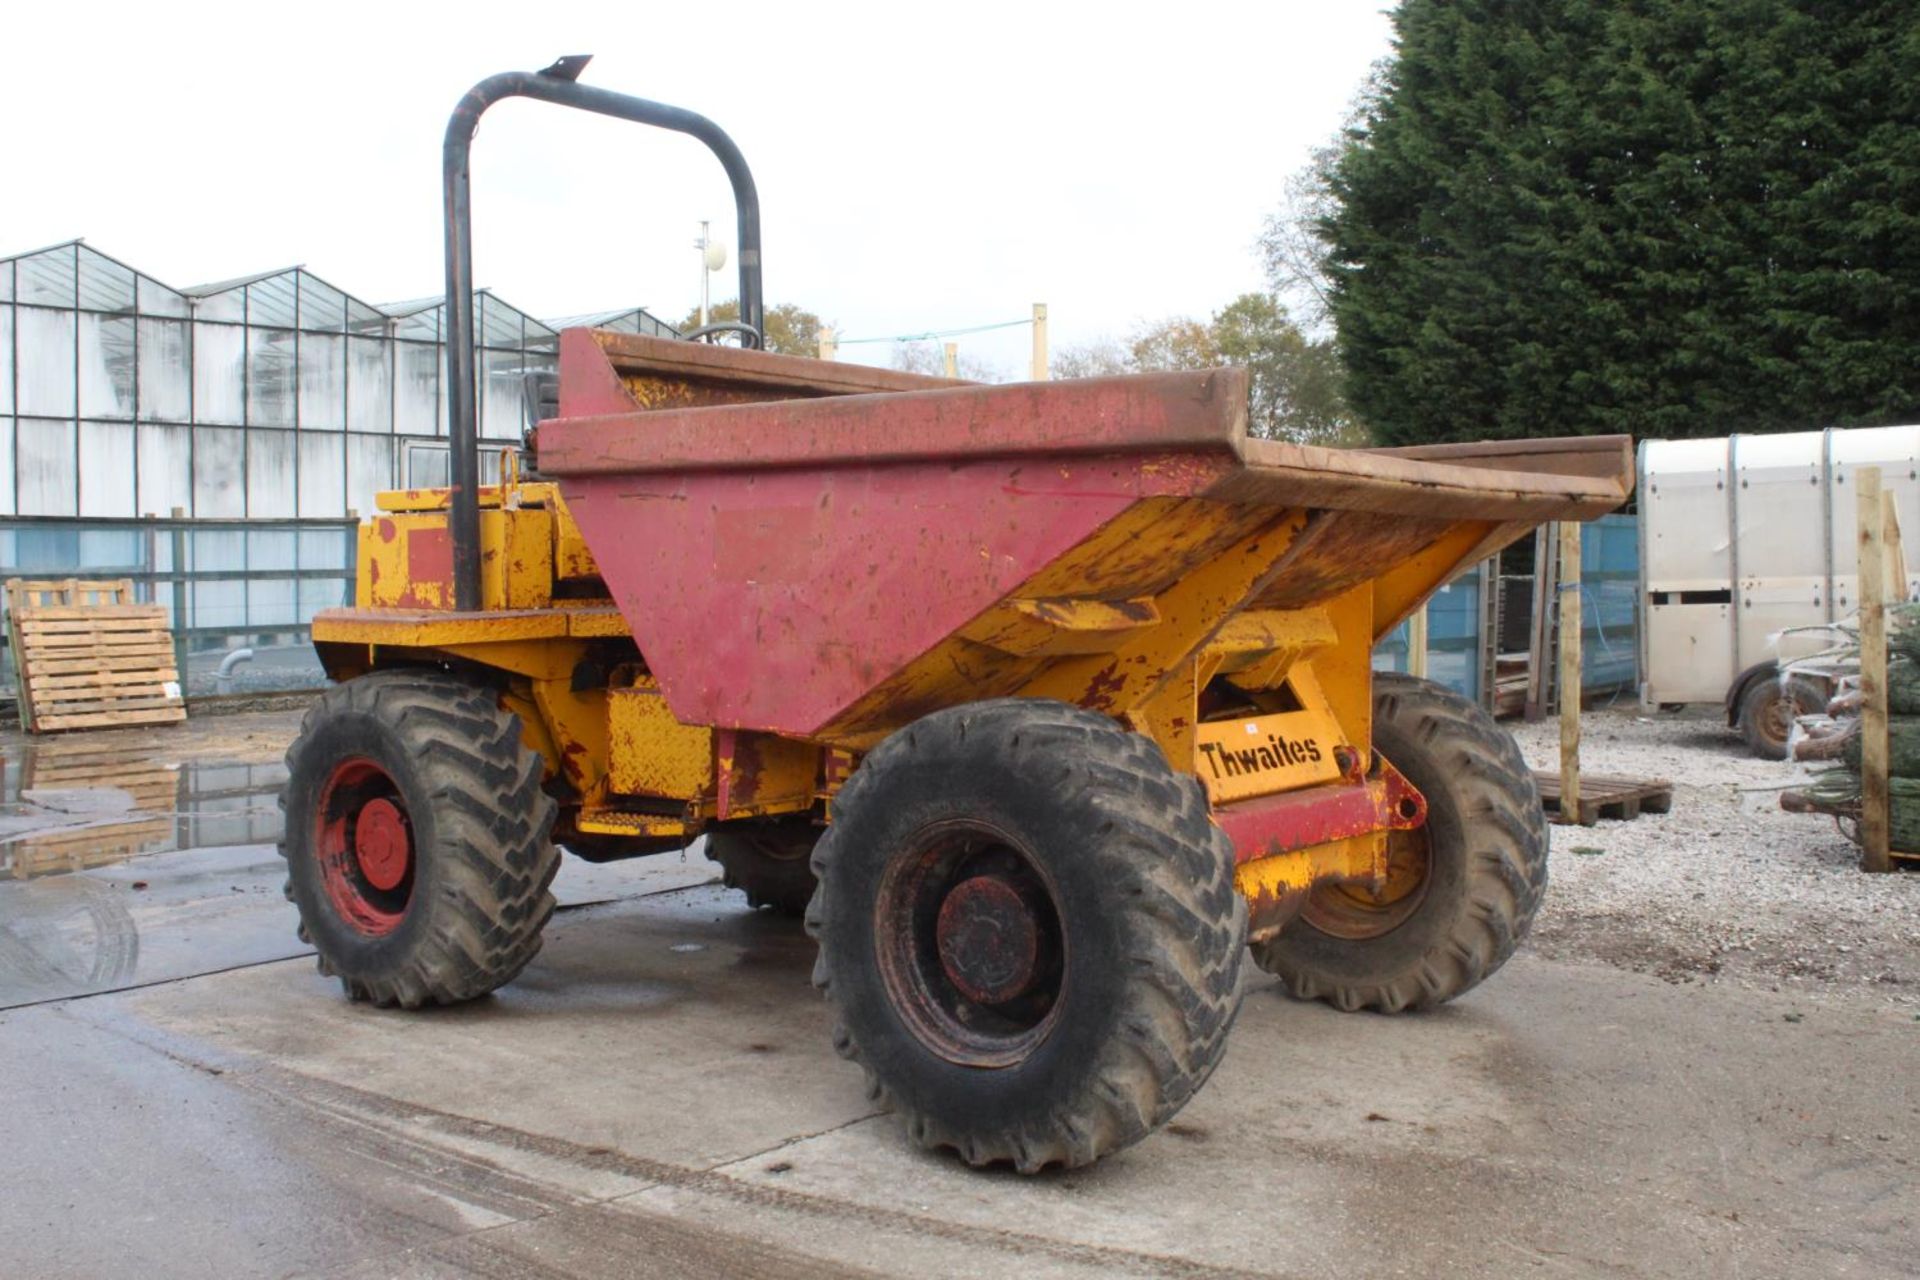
x=1662, y=217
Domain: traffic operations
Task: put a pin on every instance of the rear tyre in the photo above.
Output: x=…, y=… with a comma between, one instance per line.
x=1767, y=713
x=767, y=861
x=417, y=839
x=1029, y=932
x=1461, y=891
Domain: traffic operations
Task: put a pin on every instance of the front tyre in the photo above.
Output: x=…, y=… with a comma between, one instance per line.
x=1028, y=931
x=1461, y=891
x=417, y=838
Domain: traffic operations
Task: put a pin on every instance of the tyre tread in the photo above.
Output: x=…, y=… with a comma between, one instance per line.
x=1188, y=928
x=494, y=822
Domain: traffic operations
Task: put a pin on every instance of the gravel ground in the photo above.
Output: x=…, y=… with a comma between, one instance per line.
x=1726, y=887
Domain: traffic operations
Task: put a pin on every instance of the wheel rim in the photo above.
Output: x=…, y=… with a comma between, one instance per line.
x=1358, y=911
x=970, y=944
x=363, y=840
x=1776, y=719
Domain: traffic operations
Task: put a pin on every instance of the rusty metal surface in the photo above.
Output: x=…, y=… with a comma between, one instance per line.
x=1161, y=415
x=651, y=753
x=1277, y=473
x=776, y=599
x=1339, y=550
x=1320, y=815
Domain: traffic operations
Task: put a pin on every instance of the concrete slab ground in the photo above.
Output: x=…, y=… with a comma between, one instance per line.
x=656, y=1096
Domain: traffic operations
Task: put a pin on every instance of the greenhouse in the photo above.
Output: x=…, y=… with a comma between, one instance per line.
x=212, y=444
x=269, y=397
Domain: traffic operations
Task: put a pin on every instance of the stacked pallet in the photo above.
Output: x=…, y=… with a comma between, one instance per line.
x=88, y=657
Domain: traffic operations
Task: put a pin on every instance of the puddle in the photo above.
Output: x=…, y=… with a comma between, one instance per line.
x=68, y=806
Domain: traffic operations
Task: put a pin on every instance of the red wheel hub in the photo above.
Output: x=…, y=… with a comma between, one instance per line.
x=363, y=847
x=382, y=844
x=971, y=943
x=988, y=939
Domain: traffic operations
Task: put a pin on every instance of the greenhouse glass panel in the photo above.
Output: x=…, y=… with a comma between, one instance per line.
x=271, y=604
x=323, y=593
x=503, y=405
x=6, y=467
x=6, y=358
x=270, y=480
x=6, y=282
x=219, y=473
x=46, y=547
x=46, y=277
x=44, y=342
x=105, y=285
x=110, y=550
x=228, y=304
x=45, y=465
x=499, y=325
x=426, y=466
x=219, y=373
x=416, y=392
x=417, y=321
x=369, y=385
x=369, y=469
x=272, y=548
x=155, y=299
x=270, y=370
x=323, y=308
x=323, y=475
x=107, y=480
x=323, y=381
x=216, y=604
x=166, y=371
x=106, y=366
x=274, y=300
x=166, y=469
x=365, y=320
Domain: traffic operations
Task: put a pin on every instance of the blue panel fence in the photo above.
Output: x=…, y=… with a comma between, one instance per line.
x=1609, y=598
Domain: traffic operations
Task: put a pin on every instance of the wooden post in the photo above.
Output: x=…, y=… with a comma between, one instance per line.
x=1040, y=342
x=1417, y=643
x=1569, y=591
x=829, y=343
x=1874, y=815
x=953, y=359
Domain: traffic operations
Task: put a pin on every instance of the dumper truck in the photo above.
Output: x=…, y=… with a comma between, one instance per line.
x=1049, y=705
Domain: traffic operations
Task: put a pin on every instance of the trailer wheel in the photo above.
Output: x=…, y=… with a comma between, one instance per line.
x=1461, y=891
x=1029, y=932
x=417, y=838
x=767, y=861
x=1767, y=713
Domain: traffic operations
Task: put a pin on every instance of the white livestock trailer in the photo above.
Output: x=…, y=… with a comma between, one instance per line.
x=1743, y=537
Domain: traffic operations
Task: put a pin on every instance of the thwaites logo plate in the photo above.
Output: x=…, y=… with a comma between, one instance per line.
x=1237, y=759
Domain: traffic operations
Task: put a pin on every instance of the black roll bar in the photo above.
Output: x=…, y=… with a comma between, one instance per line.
x=556, y=84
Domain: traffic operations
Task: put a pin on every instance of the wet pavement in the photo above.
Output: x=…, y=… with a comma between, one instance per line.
x=131, y=858
x=657, y=1095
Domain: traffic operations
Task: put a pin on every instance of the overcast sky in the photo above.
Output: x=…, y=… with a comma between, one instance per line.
x=921, y=166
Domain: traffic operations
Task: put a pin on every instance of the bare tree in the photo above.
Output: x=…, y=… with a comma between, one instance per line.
x=928, y=357
x=1100, y=358
x=1292, y=242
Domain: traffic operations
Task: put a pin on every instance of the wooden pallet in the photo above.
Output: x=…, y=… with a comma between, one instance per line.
x=88, y=657
x=1605, y=797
